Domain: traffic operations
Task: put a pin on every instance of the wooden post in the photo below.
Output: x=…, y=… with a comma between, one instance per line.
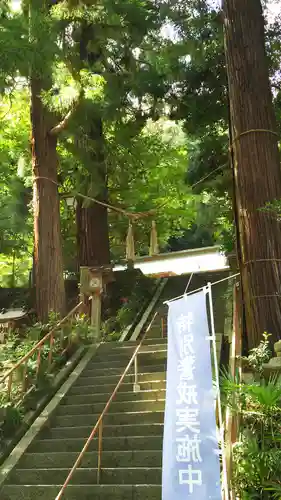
x=91, y=286
x=92, y=283
x=96, y=315
x=232, y=424
x=96, y=287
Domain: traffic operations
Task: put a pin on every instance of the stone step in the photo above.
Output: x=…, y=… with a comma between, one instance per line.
x=155, y=333
x=119, y=346
x=145, y=417
x=65, y=460
x=109, y=388
x=116, y=344
x=127, y=352
x=115, y=407
x=98, y=372
x=82, y=492
x=108, y=431
x=109, y=443
x=137, y=475
x=158, y=341
x=82, y=399
x=154, y=347
x=150, y=376
x=143, y=359
x=132, y=432
x=106, y=362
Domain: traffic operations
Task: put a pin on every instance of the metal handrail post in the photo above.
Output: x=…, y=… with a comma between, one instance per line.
x=8, y=378
x=100, y=419
x=136, y=385
x=99, y=451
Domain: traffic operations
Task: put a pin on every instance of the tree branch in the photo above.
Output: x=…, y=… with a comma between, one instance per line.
x=57, y=129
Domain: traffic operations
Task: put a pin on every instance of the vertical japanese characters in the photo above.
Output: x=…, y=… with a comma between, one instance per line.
x=187, y=408
x=191, y=462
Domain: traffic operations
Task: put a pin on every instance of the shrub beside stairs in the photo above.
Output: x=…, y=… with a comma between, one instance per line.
x=132, y=433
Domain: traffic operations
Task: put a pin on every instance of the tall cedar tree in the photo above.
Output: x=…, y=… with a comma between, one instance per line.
x=106, y=44
x=48, y=261
x=256, y=166
x=92, y=218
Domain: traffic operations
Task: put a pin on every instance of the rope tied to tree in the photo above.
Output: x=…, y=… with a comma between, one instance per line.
x=252, y=131
x=130, y=246
x=154, y=247
x=254, y=261
x=276, y=295
x=130, y=215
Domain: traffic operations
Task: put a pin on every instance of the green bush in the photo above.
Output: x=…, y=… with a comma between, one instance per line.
x=129, y=307
x=257, y=454
x=11, y=416
x=76, y=332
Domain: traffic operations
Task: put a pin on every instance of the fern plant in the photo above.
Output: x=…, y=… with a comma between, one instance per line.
x=257, y=454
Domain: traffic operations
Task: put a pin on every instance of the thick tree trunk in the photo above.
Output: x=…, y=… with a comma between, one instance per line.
x=256, y=166
x=92, y=235
x=92, y=218
x=48, y=262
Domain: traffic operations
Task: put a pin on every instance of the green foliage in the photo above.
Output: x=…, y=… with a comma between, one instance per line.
x=153, y=73
x=103, y=52
x=14, y=46
x=256, y=460
x=11, y=417
x=275, y=488
x=65, y=341
x=260, y=355
x=15, y=190
x=273, y=209
x=81, y=330
x=200, y=98
x=17, y=346
x=118, y=59
x=14, y=271
x=128, y=307
x=143, y=164
x=254, y=468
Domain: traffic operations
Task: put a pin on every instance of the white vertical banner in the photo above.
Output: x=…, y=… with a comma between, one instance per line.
x=191, y=465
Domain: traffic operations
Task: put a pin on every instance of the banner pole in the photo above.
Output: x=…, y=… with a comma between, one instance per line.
x=201, y=288
x=213, y=340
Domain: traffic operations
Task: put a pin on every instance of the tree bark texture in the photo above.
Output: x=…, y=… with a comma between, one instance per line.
x=92, y=235
x=48, y=261
x=92, y=218
x=257, y=170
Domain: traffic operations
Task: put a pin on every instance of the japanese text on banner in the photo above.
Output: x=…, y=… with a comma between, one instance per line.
x=187, y=408
x=191, y=466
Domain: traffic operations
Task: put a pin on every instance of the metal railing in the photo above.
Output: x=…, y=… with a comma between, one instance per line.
x=164, y=326
x=145, y=311
x=22, y=365
x=98, y=428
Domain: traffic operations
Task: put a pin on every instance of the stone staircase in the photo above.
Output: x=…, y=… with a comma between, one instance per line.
x=132, y=435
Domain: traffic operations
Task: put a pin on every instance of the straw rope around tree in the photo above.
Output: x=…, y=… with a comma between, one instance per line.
x=132, y=216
